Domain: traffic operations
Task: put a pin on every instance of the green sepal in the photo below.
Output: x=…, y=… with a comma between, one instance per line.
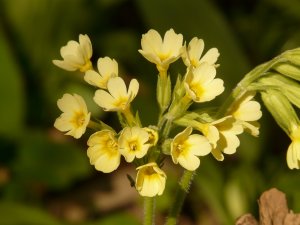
x=122, y=120
x=166, y=146
x=137, y=119
x=289, y=87
x=163, y=92
x=288, y=70
x=281, y=109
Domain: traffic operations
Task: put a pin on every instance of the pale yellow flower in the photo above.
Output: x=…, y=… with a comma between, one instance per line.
x=201, y=85
x=117, y=98
x=153, y=135
x=76, y=55
x=222, y=134
x=103, y=151
x=107, y=68
x=150, y=180
x=192, y=54
x=161, y=52
x=293, y=153
x=75, y=116
x=185, y=149
x=133, y=143
x=247, y=112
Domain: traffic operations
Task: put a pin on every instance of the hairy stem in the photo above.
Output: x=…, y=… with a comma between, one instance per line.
x=149, y=205
x=181, y=193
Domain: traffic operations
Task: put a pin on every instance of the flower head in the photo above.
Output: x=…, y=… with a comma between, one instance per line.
x=153, y=135
x=293, y=153
x=247, y=112
x=150, y=180
x=107, y=68
x=161, y=52
x=133, y=143
x=76, y=55
x=103, y=151
x=75, y=116
x=201, y=85
x=192, y=54
x=117, y=98
x=222, y=134
x=186, y=148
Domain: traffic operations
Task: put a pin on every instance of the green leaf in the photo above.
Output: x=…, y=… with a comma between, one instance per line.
x=11, y=92
x=19, y=214
x=48, y=163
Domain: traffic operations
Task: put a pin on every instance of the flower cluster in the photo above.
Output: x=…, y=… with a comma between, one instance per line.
x=205, y=132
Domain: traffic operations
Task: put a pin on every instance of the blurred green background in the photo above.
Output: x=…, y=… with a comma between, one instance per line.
x=45, y=177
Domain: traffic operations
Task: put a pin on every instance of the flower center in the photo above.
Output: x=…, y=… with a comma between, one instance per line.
x=79, y=119
x=133, y=146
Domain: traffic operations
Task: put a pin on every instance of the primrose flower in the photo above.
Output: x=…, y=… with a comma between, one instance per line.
x=201, y=85
x=222, y=134
x=247, y=112
x=117, y=98
x=153, y=135
x=185, y=149
x=133, y=143
x=107, y=68
x=293, y=152
x=75, y=116
x=103, y=151
x=192, y=54
x=161, y=52
x=76, y=55
x=150, y=180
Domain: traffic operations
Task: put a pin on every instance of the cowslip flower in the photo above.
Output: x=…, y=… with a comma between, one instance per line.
x=76, y=55
x=247, y=112
x=185, y=149
x=161, y=52
x=192, y=54
x=117, y=98
x=293, y=152
x=133, y=143
x=222, y=134
x=75, y=116
x=150, y=180
x=153, y=135
x=103, y=151
x=107, y=68
x=201, y=85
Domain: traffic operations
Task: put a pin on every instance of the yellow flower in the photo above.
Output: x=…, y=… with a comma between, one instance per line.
x=133, y=143
x=201, y=85
x=153, y=135
x=222, y=134
x=117, y=98
x=76, y=55
x=75, y=116
x=150, y=180
x=161, y=52
x=293, y=153
x=186, y=148
x=192, y=54
x=247, y=112
x=107, y=68
x=103, y=151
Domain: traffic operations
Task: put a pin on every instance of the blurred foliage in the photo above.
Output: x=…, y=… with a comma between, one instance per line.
x=38, y=164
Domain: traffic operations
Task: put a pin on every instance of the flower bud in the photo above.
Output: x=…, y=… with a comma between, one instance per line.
x=281, y=109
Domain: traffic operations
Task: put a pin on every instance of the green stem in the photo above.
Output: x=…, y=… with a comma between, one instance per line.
x=242, y=86
x=181, y=193
x=149, y=205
